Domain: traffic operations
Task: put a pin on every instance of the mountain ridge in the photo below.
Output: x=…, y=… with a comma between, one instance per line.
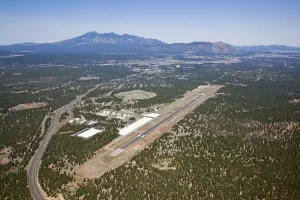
x=94, y=42
x=93, y=38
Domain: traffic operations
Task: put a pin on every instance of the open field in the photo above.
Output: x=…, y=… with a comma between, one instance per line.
x=28, y=106
x=135, y=95
x=125, y=147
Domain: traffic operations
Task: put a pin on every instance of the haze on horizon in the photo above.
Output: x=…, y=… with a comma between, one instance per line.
x=234, y=22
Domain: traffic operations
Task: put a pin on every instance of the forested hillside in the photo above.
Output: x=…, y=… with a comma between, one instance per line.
x=19, y=137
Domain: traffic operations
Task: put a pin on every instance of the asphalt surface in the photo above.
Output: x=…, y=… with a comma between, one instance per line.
x=33, y=168
x=34, y=187
x=164, y=120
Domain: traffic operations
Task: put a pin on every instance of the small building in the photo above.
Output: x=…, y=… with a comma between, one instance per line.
x=87, y=133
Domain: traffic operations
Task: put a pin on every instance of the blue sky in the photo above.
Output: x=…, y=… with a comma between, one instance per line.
x=237, y=22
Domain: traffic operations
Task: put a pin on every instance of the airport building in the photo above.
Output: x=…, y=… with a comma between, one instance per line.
x=87, y=133
x=137, y=124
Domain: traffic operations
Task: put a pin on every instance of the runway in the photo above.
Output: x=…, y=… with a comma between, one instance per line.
x=206, y=90
x=125, y=147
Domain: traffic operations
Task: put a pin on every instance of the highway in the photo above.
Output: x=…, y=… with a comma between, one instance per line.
x=206, y=90
x=33, y=168
x=34, y=187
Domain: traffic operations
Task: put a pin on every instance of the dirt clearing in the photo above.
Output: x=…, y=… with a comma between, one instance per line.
x=4, y=155
x=28, y=106
x=135, y=95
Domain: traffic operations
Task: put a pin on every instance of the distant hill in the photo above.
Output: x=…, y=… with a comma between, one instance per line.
x=209, y=47
x=262, y=48
x=93, y=42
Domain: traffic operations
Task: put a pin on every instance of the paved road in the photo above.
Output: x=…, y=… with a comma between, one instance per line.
x=206, y=90
x=33, y=169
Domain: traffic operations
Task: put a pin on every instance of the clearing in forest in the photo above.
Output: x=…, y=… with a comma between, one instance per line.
x=28, y=106
x=135, y=95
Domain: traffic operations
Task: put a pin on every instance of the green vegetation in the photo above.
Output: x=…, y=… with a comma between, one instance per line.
x=74, y=149
x=66, y=151
x=29, y=79
x=19, y=132
x=243, y=144
x=14, y=185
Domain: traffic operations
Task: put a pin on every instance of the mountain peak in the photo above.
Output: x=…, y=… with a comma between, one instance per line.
x=92, y=32
x=95, y=38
